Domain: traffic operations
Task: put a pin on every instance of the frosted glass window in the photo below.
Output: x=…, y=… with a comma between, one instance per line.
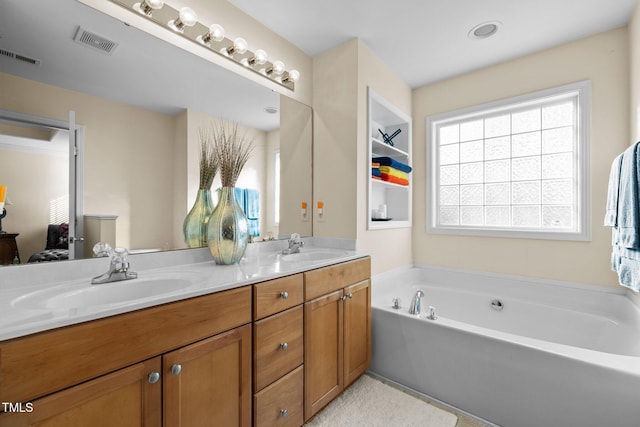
x=497, y=148
x=515, y=168
x=472, y=194
x=525, y=121
x=450, y=195
x=471, y=130
x=497, y=126
x=471, y=173
x=471, y=151
x=449, y=154
x=526, y=144
x=449, y=134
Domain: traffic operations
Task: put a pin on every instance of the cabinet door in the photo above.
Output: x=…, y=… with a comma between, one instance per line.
x=357, y=330
x=209, y=383
x=323, y=366
x=124, y=398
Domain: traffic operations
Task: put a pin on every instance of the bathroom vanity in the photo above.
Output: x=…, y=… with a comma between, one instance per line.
x=254, y=353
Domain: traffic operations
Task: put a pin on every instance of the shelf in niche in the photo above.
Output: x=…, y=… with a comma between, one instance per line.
x=388, y=184
x=381, y=149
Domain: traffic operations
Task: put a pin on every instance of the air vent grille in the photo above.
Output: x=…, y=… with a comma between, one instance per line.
x=95, y=41
x=20, y=57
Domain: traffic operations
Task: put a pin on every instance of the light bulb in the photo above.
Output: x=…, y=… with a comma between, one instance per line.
x=239, y=46
x=146, y=7
x=293, y=76
x=277, y=68
x=186, y=18
x=216, y=32
x=259, y=57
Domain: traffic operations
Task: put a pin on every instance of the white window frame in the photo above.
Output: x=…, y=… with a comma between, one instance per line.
x=581, y=163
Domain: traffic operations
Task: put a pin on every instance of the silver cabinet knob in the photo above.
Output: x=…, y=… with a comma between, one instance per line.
x=284, y=413
x=176, y=369
x=343, y=298
x=154, y=377
x=284, y=346
x=284, y=294
x=349, y=295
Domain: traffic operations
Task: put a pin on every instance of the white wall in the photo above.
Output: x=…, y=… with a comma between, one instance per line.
x=604, y=60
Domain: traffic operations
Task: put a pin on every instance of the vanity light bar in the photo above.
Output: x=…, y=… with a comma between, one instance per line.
x=212, y=38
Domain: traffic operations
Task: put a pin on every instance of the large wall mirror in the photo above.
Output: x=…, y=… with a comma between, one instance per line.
x=140, y=103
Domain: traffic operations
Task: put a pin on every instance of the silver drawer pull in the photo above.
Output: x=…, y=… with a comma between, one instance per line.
x=284, y=346
x=284, y=294
x=284, y=413
x=176, y=369
x=154, y=377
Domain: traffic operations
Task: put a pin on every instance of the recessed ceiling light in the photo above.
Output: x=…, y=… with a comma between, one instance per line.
x=271, y=110
x=484, y=30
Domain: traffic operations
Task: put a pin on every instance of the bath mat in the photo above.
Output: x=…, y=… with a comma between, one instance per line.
x=371, y=403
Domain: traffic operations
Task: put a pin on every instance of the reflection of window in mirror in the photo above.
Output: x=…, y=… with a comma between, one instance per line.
x=276, y=168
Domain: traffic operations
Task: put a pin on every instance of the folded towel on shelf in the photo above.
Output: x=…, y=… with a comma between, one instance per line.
x=376, y=172
x=394, y=179
x=394, y=172
x=388, y=161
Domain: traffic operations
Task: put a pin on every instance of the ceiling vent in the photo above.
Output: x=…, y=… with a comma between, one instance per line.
x=20, y=57
x=94, y=41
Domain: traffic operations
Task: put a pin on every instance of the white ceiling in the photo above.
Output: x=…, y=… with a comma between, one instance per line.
x=424, y=41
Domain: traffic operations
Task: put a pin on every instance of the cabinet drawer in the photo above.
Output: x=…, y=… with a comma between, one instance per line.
x=328, y=279
x=271, y=360
x=286, y=394
x=277, y=295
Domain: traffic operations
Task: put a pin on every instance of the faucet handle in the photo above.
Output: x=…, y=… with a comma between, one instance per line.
x=120, y=255
x=102, y=249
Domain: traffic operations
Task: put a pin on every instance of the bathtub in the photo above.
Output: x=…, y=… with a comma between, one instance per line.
x=512, y=351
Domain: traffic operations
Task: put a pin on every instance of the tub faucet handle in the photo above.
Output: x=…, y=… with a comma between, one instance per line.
x=432, y=313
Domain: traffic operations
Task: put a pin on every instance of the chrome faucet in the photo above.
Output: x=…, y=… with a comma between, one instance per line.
x=118, y=268
x=414, y=307
x=295, y=243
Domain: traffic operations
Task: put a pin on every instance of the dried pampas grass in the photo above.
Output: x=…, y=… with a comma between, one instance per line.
x=232, y=149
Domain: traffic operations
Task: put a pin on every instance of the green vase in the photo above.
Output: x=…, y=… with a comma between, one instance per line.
x=194, y=227
x=228, y=229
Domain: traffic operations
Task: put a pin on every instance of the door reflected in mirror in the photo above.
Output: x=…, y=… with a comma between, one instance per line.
x=141, y=107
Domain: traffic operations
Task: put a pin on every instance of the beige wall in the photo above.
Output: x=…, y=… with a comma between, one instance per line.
x=604, y=60
x=341, y=163
x=295, y=172
x=335, y=153
x=634, y=58
x=128, y=157
x=33, y=180
x=388, y=248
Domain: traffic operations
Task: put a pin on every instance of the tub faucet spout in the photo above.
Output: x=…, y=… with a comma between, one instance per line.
x=414, y=307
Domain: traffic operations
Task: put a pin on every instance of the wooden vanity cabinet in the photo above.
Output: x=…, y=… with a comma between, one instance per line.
x=337, y=330
x=123, y=398
x=278, y=344
x=180, y=364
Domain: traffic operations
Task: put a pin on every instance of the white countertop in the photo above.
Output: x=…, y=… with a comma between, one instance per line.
x=23, y=290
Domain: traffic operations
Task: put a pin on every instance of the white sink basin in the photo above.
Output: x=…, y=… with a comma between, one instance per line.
x=313, y=255
x=85, y=295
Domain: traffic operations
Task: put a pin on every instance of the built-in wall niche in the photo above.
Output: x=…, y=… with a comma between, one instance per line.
x=389, y=180
x=138, y=104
